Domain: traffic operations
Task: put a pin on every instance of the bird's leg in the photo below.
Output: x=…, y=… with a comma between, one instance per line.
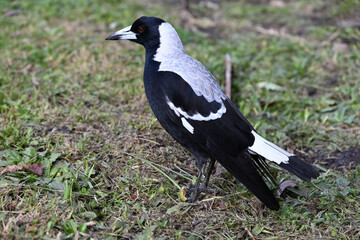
x=208, y=174
x=204, y=186
x=196, y=187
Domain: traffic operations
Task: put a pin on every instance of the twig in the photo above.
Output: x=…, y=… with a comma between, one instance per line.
x=331, y=38
x=250, y=234
x=283, y=34
x=228, y=75
x=247, y=230
x=280, y=33
x=184, y=9
x=148, y=140
x=219, y=168
x=212, y=198
x=191, y=22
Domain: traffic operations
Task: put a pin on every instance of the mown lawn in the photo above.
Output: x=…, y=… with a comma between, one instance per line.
x=75, y=104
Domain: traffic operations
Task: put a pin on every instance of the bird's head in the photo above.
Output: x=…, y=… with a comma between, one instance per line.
x=151, y=32
x=144, y=31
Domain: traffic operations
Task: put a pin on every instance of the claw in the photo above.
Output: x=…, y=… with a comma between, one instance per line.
x=200, y=188
x=191, y=190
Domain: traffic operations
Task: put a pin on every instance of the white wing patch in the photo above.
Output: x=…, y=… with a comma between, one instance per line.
x=197, y=116
x=172, y=106
x=187, y=125
x=180, y=113
x=211, y=116
x=269, y=150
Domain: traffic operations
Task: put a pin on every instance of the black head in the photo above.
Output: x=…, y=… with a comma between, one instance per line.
x=144, y=31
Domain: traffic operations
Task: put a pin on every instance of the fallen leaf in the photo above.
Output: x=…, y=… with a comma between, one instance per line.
x=30, y=228
x=182, y=194
x=277, y=3
x=257, y=230
x=34, y=79
x=133, y=197
x=340, y=47
x=36, y=168
x=153, y=180
x=92, y=223
x=264, y=103
x=12, y=13
x=222, y=205
x=270, y=86
x=284, y=185
x=176, y=208
x=10, y=168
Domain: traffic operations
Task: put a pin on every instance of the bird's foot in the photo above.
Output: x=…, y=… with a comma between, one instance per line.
x=195, y=192
x=192, y=198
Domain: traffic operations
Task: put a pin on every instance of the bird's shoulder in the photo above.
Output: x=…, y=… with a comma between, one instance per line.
x=202, y=82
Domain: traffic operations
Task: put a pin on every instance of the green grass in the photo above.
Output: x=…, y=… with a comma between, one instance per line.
x=76, y=104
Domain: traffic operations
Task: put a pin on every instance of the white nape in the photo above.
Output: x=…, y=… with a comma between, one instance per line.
x=170, y=43
x=269, y=150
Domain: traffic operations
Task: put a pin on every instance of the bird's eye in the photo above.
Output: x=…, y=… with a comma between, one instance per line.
x=141, y=29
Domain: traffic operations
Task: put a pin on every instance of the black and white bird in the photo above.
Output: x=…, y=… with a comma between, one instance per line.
x=191, y=106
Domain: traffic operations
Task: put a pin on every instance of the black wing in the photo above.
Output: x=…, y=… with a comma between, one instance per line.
x=182, y=96
x=217, y=121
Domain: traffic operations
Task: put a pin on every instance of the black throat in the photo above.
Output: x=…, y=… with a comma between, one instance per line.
x=150, y=49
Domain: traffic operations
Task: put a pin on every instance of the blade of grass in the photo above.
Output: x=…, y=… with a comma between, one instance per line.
x=153, y=165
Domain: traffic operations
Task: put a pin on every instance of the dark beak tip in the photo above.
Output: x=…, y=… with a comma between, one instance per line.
x=112, y=37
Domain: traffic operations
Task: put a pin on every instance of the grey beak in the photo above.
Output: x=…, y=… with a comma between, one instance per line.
x=124, y=33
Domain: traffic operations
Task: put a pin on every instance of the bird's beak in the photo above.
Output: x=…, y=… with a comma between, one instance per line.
x=124, y=33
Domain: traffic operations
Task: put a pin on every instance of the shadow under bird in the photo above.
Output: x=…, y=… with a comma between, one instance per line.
x=191, y=106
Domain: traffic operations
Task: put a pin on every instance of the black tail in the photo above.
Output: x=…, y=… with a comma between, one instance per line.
x=244, y=169
x=300, y=168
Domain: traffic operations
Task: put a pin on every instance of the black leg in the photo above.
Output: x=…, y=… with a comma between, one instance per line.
x=196, y=187
x=208, y=174
x=204, y=186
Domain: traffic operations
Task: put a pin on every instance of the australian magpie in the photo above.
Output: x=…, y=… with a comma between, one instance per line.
x=191, y=106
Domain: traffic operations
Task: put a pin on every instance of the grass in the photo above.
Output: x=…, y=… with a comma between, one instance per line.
x=76, y=104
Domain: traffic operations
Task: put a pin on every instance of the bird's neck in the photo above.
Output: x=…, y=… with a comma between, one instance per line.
x=170, y=44
x=166, y=47
x=150, y=52
x=167, y=52
x=164, y=52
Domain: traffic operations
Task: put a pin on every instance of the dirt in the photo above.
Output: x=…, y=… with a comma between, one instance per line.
x=348, y=159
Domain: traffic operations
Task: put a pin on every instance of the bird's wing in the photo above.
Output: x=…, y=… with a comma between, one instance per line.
x=214, y=119
x=202, y=82
x=182, y=99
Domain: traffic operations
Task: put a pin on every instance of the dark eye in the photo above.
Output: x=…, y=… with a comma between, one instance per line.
x=141, y=29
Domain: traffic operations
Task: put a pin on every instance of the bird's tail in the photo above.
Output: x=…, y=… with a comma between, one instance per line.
x=300, y=168
x=246, y=171
x=284, y=159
